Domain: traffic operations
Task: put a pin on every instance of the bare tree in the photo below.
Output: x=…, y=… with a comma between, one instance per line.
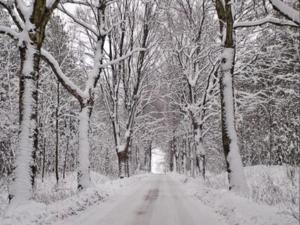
x=97, y=32
x=128, y=77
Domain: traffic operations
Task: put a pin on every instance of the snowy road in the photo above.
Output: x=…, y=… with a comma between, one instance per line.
x=157, y=200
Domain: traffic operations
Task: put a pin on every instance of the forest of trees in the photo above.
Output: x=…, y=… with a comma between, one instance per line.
x=94, y=85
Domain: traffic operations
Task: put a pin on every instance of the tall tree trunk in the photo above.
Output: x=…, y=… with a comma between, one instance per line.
x=150, y=159
x=33, y=165
x=193, y=159
x=57, y=132
x=174, y=169
x=234, y=165
x=137, y=159
x=67, y=149
x=44, y=159
x=36, y=17
x=203, y=158
x=83, y=176
x=184, y=162
x=123, y=160
x=25, y=160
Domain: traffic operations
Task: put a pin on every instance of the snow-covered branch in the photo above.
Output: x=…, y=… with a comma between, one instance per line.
x=24, y=11
x=286, y=10
x=10, y=32
x=118, y=60
x=65, y=81
x=9, y=6
x=78, y=2
x=268, y=19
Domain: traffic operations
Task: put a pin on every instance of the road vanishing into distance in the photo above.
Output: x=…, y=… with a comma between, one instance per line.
x=156, y=200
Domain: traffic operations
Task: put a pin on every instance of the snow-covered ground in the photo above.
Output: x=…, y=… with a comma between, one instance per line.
x=162, y=199
x=157, y=200
x=174, y=199
x=273, y=185
x=52, y=202
x=262, y=181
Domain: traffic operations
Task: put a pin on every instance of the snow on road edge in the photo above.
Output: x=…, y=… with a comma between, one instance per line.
x=235, y=209
x=34, y=213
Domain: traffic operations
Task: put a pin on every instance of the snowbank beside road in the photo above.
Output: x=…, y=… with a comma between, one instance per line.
x=53, y=203
x=272, y=185
x=265, y=183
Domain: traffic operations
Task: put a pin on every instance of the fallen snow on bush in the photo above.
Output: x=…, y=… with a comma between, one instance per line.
x=55, y=202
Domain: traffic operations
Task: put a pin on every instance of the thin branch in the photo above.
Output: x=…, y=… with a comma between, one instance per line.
x=115, y=61
x=80, y=22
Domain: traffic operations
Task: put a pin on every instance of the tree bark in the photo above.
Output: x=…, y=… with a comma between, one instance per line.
x=67, y=149
x=44, y=159
x=33, y=166
x=123, y=161
x=31, y=43
x=236, y=178
x=57, y=132
x=83, y=176
x=25, y=160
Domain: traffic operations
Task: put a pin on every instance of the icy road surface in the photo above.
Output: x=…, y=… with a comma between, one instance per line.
x=157, y=200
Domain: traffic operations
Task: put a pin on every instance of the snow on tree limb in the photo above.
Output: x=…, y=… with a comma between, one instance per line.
x=78, y=2
x=115, y=61
x=286, y=10
x=268, y=19
x=24, y=11
x=66, y=82
x=12, y=12
x=10, y=32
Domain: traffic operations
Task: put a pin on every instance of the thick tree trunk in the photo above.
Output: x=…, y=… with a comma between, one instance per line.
x=174, y=167
x=83, y=176
x=34, y=32
x=123, y=162
x=203, y=158
x=229, y=137
x=25, y=160
x=33, y=166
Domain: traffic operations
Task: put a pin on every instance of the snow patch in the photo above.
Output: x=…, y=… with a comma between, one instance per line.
x=51, y=210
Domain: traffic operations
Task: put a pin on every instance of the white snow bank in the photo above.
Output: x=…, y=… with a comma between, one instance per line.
x=48, y=192
x=272, y=185
x=54, y=202
x=240, y=210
